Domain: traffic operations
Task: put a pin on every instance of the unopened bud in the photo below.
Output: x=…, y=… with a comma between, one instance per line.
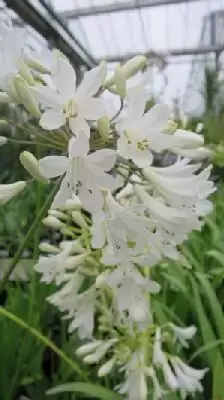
x=30, y=163
x=74, y=261
x=52, y=222
x=4, y=98
x=88, y=348
x=25, y=73
x=78, y=219
x=76, y=246
x=48, y=248
x=8, y=191
x=72, y=204
x=103, y=126
x=58, y=214
x=135, y=64
x=106, y=368
x=36, y=65
x=25, y=95
x=120, y=81
x=67, y=232
x=3, y=140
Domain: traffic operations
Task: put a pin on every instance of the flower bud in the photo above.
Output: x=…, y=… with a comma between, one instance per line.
x=4, y=98
x=76, y=246
x=107, y=367
x=25, y=95
x=48, y=248
x=120, y=81
x=67, y=232
x=33, y=63
x=187, y=139
x=25, y=73
x=3, y=140
x=103, y=126
x=72, y=204
x=58, y=214
x=8, y=191
x=30, y=163
x=74, y=261
x=199, y=127
x=135, y=64
x=52, y=222
x=88, y=348
x=78, y=219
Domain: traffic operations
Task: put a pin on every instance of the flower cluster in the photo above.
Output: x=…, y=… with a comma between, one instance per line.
x=118, y=212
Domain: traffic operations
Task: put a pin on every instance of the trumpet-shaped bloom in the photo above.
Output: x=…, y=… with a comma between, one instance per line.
x=84, y=174
x=65, y=102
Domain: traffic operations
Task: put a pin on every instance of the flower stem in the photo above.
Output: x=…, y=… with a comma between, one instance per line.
x=29, y=234
x=42, y=338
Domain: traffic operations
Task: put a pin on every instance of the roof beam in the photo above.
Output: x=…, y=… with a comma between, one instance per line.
x=169, y=53
x=118, y=7
x=45, y=21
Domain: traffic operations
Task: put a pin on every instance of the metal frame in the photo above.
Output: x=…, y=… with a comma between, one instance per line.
x=45, y=21
x=172, y=53
x=118, y=7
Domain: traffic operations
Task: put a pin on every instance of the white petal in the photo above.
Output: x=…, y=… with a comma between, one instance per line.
x=137, y=97
x=79, y=126
x=104, y=159
x=64, y=78
x=92, y=109
x=92, y=81
x=157, y=117
x=47, y=96
x=52, y=119
x=91, y=198
x=52, y=166
x=98, y=231
x=102, y=179
x=79, y=146
x=62, y=195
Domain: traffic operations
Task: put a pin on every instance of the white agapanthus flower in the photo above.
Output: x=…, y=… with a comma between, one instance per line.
x=139, y=133
x=183, y=334
x=117, y=225
x=84, y=174
x=180, y=186
x=11, y=51
x=78, y=307
x=177, y=374
x=65, y=102
x=129, y=289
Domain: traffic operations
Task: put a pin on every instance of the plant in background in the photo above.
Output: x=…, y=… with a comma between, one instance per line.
x=118, y=213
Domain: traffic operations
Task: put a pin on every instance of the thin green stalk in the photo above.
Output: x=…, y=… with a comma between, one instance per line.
x=28, y=236
x=42, y=338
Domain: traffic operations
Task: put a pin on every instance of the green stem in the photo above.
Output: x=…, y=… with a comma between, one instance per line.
x=29, y=234
x=47, y=342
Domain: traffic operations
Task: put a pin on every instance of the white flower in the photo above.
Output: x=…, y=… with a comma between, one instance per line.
x=78, y=306
x=8, y=191
x=66, y=103
x=107, y=367
x=117, y=225
x=183, y=334
x=11, y=51
x=188, y=378
x=158, y=355
x=99, y=352
x=130, y=288
x=84, y=174
x=135, y=386
x=179, y=185
x=141, y=133
x=166, y=218
x=53, y=267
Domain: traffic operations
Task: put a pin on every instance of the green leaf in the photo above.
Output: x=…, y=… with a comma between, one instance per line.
x=206, y=348
x=217, y=386
x=206, y=329
x=89, y=389
x=216, y=309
